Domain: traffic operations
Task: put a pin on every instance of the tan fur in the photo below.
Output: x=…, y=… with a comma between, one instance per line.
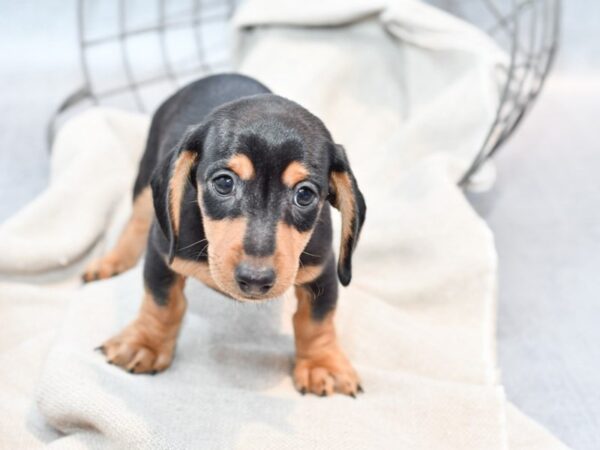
x=293, y=174
x=131, y=243
x=195, y=269
x=177, y=183
x=147, y=344
x=225, y=251
x=345, y=203
x=321, y=366
x=242, y=166
x=289, y=245
x=306, y=274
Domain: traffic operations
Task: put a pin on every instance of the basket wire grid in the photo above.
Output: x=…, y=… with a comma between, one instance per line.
x=136, y=52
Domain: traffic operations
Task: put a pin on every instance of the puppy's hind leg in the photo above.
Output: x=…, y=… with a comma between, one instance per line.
x=131, y=243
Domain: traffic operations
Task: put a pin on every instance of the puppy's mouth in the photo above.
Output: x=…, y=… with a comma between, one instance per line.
x=243, y=294
x=254, y=298
x=235, y=293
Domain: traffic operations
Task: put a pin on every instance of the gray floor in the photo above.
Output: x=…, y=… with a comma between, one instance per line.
x=544, y=210
x=545, y=215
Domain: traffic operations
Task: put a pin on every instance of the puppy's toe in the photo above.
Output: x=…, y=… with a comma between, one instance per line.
x=105, y=267
x=347, y=383
x=302, y=378
x=325, y=376
x=321, y=381
x=134, y=352
x=142, y=361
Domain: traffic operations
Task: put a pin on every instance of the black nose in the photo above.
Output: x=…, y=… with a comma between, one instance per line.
x=254, y=280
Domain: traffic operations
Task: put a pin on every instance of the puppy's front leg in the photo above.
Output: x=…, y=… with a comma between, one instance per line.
x=147, y=344
x=321, y=366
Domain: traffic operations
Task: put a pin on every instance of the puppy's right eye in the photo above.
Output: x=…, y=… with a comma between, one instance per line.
x=223, y=184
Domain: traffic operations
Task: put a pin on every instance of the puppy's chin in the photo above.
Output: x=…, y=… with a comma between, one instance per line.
x=253, y=299
x=238, y=295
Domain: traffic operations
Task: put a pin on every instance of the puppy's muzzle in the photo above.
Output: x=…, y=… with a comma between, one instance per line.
x=254, y=280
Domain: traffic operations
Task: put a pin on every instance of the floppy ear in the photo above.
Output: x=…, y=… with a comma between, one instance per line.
x=169, y=181
x=347, y=198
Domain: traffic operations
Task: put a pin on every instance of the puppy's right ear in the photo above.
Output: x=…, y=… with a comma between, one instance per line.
x=169, y=182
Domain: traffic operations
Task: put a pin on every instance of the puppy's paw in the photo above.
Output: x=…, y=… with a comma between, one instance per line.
x=137, y=352
x=326, y=374
x=107, y=266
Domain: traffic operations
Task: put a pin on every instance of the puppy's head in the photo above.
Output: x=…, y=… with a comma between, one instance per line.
x=263, y=168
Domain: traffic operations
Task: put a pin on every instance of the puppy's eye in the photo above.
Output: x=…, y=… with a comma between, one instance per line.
x=304, y=196
x=223, y=184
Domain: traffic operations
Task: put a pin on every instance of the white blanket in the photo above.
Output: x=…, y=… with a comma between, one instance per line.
x=409, y=92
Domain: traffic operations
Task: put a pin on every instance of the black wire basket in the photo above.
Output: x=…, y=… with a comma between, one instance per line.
x=135, y=53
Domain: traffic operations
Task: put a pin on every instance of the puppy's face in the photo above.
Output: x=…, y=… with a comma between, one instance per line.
x=264, y=168
x=260, y=205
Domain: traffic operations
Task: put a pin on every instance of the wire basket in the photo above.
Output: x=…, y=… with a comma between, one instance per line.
x=134, y=53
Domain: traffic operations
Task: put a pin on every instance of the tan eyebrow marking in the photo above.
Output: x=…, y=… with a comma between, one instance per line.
x=293, y=174
x=242, y=166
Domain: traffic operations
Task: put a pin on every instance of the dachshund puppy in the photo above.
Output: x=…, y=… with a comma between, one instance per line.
x=234, y=189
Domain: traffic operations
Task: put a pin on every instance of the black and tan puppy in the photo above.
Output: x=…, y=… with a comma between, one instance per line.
x=240, y=182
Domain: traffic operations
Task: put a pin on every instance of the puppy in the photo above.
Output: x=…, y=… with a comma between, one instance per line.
x=234, y=189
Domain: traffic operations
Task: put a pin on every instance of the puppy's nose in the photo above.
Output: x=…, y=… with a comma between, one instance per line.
x=254, y=280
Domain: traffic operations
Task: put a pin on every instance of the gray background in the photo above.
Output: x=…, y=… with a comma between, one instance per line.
x=544, y=210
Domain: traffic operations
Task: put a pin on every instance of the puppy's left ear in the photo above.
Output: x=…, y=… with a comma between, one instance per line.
x=347, y=198
x=169, y=182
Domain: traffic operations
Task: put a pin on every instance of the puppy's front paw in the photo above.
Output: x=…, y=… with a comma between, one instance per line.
x=107, y=266
x=325, y=374
x=136, y=351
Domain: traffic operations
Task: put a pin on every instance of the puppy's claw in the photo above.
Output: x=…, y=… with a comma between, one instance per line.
x=353, y=394
x=154, y=372
x=88, y=278
x=100, y=349
x=360, y=389
x=324, y=393
x=303, y=391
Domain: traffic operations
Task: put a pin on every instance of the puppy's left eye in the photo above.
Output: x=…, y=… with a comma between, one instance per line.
x=223, y=184
x=304, y=196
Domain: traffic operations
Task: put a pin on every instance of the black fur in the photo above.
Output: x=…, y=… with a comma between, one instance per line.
x=158, y=277
x=324, y=290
